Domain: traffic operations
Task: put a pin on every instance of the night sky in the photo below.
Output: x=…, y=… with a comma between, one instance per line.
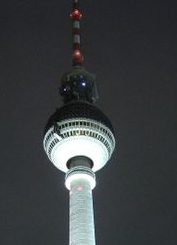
x=131, y=46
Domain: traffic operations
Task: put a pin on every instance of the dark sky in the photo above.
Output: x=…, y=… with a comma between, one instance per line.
x=132, y=48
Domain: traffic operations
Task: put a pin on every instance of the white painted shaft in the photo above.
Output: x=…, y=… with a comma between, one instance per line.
x=82, y=230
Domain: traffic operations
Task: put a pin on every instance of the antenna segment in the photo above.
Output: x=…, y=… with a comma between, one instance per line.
x=76, y=15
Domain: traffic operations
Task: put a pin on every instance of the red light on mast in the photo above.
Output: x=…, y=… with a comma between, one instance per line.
x=76, y=14
x=77, y=56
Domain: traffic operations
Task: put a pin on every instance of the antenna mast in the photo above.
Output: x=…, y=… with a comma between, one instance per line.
x=76, y=15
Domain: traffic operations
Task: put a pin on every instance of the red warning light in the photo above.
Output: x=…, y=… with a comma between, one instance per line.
x=77, y=56
x=76, y=14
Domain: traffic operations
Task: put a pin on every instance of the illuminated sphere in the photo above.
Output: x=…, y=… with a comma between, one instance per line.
x=78, y=128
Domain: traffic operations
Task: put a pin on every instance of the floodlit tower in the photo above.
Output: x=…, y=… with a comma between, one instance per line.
x=79, y=140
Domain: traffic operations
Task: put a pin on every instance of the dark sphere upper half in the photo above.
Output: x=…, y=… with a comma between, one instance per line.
x=78, y=109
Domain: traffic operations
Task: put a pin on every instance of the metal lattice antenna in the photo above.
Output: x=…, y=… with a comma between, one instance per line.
x=76, y=15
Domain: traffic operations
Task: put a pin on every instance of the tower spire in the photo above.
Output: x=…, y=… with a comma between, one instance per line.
x=76, y=15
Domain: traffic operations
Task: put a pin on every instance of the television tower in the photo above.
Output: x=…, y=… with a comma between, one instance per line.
x=79, y=139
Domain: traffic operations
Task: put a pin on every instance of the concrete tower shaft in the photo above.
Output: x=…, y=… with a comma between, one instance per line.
x=80, y=181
